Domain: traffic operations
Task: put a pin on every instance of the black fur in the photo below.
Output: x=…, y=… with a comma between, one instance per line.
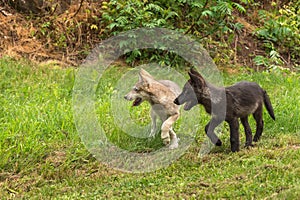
x=241, y=100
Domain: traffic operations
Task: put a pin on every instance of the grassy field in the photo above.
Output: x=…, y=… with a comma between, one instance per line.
x=42, y=156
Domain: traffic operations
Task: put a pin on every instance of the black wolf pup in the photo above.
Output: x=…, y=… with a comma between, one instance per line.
x=242, y=99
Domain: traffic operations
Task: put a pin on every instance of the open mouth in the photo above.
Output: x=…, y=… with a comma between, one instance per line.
x=137, y=101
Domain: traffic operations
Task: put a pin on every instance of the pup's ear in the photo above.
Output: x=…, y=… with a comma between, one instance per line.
x=196, y=78
x=195, y=72
x=145, y=73
x=145, y=78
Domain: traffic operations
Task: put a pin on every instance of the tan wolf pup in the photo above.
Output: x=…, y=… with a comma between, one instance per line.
x=161, y=95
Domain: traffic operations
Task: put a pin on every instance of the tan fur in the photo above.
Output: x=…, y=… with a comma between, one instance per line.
x=160, y=94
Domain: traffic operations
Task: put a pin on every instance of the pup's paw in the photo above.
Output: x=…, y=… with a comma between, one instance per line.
x=174, y=143
x=166, y=141
x=248, y=145
x=219, y=143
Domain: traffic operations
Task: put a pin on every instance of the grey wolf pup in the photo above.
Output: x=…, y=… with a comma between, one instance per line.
x=242, y=99
x=160, y=94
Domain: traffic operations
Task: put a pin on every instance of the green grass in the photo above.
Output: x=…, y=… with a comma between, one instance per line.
x=42, y=157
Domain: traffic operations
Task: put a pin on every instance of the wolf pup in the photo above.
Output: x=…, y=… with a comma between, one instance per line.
x=242, y=99
x=160, y=94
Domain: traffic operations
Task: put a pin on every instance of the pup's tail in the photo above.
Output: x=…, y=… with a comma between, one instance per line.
x=268, y=105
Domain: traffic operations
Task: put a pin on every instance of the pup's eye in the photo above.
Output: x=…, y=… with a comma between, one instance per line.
x=136, y=89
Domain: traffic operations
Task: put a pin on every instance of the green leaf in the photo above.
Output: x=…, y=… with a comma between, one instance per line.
x=239, y=7
x=207, y=13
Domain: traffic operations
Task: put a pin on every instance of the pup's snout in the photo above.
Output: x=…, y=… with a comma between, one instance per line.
x=126, y=97
x=176, y=101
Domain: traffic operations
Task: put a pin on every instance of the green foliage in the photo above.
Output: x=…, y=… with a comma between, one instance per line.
x=281, y=32
x=217, y=24
x=189, y=16
x=273, y=62
x=127, y=15
x=199, y=18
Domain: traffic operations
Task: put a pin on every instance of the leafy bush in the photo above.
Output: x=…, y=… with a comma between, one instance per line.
x=281, y=32
x=122, y=16
x=199, y=18
x=273, y=61
x=128, y=15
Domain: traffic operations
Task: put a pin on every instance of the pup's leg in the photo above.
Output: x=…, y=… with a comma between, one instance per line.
x=165, y=128
x=234, y=134
x=209, y=130
x=153, y=123
x=248, y=131
x=174, y=139
x=259, y=123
